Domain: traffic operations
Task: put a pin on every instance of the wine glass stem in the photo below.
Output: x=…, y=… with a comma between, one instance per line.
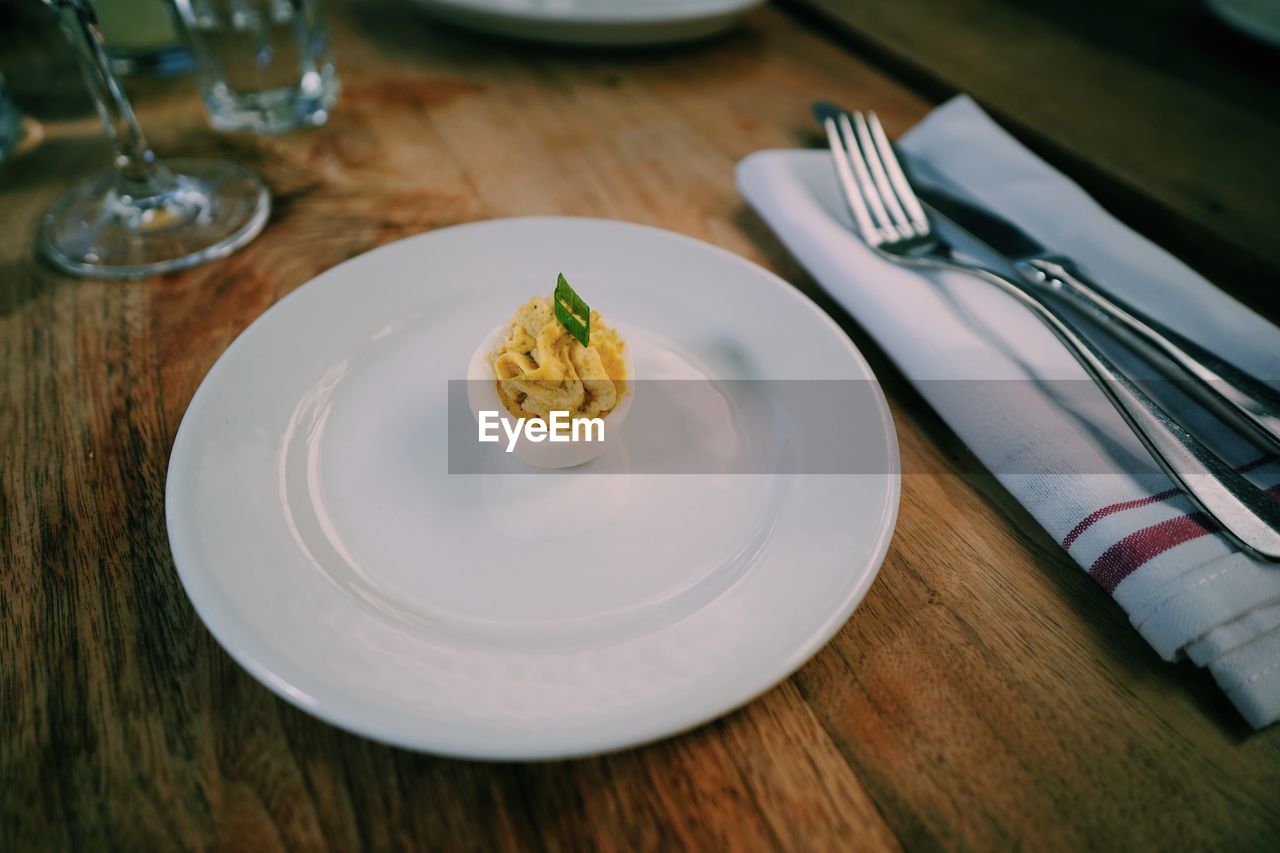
x=140, y=171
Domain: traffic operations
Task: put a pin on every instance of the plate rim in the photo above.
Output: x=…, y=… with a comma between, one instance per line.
x=223, y=625
x=629, y=15
x=1228, y=13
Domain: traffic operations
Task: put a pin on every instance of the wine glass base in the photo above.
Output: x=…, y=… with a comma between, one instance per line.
x=207, y=211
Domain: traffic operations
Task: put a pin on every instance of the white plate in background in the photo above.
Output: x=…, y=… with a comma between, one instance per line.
x=593, y=22
x=319, y=535
x=1257, y=18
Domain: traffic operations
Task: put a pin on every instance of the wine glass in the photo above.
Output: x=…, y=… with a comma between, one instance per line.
x=144, y=217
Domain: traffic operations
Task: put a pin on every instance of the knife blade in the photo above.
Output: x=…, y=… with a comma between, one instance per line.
x=994, y=231
x=1242, y=400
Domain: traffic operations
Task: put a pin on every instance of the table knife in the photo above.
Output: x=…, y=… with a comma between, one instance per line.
x=1249, y=404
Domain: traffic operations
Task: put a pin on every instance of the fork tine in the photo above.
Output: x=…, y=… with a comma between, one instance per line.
x=859, y=162
x=901, y=185
x=852, y=196
x=870, y=154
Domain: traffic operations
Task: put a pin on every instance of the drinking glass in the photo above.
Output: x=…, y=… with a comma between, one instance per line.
x=10, y=121
x=263, y=65
x=141, y=37
x=144, y=217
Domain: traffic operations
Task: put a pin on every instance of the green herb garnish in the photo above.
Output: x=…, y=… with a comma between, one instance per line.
x=572, y=312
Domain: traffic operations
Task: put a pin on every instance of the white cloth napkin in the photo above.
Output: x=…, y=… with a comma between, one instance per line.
x=1187, y=589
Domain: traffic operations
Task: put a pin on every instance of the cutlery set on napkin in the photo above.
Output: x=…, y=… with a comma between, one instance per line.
x=1185, y=546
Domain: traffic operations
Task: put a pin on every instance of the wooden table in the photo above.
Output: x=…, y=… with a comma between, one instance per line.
x=986, y=694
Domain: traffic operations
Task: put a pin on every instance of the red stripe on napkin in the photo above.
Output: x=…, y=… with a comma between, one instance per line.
x=1133, y=551
x=1112, y=509
x=1098, y=514
x=1124, y=557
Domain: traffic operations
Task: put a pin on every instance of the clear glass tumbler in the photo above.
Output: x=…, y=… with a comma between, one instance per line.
x=264, y=65
x=141, y=37
x=10, y=121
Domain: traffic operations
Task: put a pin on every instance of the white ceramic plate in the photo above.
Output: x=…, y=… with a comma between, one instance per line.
x=322, y=540
x=1257, y=18
x=593, y=22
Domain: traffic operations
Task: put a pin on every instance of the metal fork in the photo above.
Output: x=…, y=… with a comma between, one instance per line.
x=892, y=221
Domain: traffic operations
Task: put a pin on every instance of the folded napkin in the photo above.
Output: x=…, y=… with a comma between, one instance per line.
x=1186, y=588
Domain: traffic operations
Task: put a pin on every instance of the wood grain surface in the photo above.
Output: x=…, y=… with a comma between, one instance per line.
x=986, y=694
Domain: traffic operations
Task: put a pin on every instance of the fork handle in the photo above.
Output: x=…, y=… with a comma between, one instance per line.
x=1244, y=511
x=1247, y=403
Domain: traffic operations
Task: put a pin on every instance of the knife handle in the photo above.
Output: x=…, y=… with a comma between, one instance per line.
x=1249, y=404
